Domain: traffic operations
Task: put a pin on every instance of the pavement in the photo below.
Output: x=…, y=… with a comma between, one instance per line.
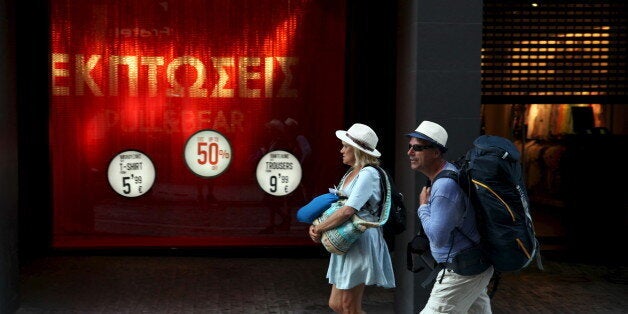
x=275, y=280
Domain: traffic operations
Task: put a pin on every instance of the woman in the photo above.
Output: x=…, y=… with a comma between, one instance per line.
x=367, y=262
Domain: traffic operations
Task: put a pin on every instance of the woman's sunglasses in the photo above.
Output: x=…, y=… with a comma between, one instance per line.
x=418, y=148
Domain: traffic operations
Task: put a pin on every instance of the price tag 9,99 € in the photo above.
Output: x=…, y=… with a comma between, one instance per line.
x=207, y=153
x=278, y=173
x=131, y=173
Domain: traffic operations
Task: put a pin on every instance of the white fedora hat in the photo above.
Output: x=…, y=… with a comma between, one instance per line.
x=361, y=137
x=432, y=132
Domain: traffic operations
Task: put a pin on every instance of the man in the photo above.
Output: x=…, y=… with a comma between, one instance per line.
x=449, y=223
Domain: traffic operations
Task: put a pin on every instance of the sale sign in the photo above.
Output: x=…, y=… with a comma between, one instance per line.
x=163, y=112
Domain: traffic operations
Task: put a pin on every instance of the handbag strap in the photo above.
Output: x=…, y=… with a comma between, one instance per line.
x=342, y=180
x=386, y=203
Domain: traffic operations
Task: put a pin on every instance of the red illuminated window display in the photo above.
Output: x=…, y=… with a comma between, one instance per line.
x=249, y=77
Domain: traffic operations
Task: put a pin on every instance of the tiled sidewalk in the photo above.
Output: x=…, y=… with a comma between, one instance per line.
x=283, y=284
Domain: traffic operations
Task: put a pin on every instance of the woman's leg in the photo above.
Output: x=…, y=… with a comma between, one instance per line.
x=347, y=301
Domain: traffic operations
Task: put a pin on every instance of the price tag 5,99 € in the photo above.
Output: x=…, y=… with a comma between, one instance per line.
x=207, y=153
x=278, y=173
x=131, y=173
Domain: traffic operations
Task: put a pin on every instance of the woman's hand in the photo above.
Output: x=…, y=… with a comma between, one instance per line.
x=336, y=219
x=314, y=234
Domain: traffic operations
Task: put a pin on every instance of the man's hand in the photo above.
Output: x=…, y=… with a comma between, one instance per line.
x=424, y=196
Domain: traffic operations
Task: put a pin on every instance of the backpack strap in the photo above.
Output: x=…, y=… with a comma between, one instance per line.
x=447, y=174
x=444, y=174
x=386, y=201
x=433, y=274
x=441, y=266
x=454, y=176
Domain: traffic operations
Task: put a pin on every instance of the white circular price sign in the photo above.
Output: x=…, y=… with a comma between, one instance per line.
x=207, y=153
x=278, y=173
x=131, y=173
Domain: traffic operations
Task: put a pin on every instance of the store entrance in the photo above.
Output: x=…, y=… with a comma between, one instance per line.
x=567, y=155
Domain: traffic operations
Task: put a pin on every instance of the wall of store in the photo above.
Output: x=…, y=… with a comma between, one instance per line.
x=438, y=79
x=9, y=278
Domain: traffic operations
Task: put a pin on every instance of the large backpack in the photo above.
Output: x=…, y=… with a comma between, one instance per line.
x=491, y=175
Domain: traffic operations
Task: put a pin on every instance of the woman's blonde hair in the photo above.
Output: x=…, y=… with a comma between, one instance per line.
x=362, y=159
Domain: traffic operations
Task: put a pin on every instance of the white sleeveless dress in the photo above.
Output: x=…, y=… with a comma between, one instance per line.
x=368, y=261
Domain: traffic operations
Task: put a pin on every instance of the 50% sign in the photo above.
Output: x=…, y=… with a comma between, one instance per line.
x=207, y=153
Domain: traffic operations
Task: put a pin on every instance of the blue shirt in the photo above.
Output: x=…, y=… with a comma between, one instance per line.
x=443, y=213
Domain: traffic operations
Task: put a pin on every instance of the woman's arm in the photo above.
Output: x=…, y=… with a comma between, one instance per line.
x=366, y=181
x=337, y=218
